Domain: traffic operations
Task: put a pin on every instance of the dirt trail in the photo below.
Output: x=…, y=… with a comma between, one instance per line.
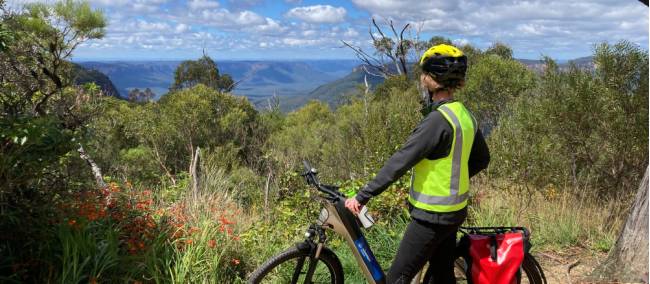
x=569, y=266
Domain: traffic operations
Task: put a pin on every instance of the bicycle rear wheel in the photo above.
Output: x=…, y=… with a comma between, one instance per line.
x=292, y=265
x=531, y=271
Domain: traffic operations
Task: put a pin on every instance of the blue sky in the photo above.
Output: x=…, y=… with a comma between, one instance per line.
x=311, y=29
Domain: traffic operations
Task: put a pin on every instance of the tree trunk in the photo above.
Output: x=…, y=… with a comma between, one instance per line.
x=194, y=168
x=266, y=194
x=162, y=165
x=97, y=172
x=628, y=259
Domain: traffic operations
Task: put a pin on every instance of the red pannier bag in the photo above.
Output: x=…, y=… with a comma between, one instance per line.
x=496, y=255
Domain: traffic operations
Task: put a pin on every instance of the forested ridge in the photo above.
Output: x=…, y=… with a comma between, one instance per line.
x=200, y=186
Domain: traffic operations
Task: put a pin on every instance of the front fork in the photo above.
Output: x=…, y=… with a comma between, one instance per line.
x=316, y=247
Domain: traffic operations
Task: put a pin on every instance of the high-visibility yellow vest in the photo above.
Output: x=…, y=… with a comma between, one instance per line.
x=442, y=185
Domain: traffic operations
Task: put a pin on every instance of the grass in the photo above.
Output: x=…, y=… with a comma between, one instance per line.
x=557, y=218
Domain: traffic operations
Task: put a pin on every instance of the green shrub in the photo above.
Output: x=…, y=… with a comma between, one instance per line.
x=587, y=129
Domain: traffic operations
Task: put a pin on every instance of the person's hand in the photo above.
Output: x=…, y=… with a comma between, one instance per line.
x=353, y=205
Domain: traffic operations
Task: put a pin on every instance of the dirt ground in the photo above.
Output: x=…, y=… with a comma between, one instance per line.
x=570, y=266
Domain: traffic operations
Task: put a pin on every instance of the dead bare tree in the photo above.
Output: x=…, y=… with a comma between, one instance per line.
x=395, y=47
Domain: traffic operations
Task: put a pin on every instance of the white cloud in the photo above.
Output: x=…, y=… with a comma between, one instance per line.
x=181, y=28
x=534, y=26
x=225, y=18
x=318, y=14
x=413, y=10
x=152, y=26
x=302, y=42
x=271, y=27
x=243, y=4
x=202, y=4
x=350, y=32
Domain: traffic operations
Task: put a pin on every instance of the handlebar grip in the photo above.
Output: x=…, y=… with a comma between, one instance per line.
x=307, y=165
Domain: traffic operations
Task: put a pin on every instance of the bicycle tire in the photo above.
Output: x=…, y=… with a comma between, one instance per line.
x=531, y=269
x=301, y=251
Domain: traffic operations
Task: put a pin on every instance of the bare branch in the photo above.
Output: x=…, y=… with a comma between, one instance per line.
x=369, y=60
x=402, y=53
x=365, y=69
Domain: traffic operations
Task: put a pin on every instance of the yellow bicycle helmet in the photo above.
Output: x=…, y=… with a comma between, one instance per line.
x=446, y=64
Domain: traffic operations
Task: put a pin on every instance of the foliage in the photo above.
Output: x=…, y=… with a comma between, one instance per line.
x=578, y=127
x=171, y=129
x=202, y=71
x=500, y=49
x=491, y=84
x=34, y=66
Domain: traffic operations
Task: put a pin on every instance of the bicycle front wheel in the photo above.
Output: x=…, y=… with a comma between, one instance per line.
x=531, y=271
x=293, y=265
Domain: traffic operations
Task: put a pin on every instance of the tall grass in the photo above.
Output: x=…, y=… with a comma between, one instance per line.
x=557, y=218
x=87, y=253
x=195, y=239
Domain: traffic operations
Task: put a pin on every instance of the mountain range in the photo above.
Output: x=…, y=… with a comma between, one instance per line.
x=257, y=79
x=294, y=83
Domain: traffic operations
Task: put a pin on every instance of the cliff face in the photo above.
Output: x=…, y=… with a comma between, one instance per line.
x=82, y=76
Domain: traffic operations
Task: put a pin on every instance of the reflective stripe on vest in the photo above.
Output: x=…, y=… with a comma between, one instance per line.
x=442, y=185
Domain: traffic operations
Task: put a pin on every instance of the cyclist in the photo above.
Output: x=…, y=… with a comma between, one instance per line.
x=444, y=150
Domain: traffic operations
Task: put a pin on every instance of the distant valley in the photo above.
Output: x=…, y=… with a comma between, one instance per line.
x=258, y=79
x=293, y=82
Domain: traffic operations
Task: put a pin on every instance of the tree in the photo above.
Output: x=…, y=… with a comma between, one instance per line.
x=42, y=120
x=492, y=83
x=395, y=47
x=34, y=67
x=628, y=259
x=202, y=71
x=500, y=49
x=587, y=128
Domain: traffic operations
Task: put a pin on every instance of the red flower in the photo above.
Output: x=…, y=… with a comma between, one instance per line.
x=212, y=243
x=225, y=221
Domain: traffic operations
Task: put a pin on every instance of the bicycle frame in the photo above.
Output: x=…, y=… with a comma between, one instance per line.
x=336, y=217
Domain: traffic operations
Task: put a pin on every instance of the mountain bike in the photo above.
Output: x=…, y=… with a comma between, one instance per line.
x=312, y=261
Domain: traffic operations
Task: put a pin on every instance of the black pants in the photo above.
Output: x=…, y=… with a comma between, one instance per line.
x=424, y=242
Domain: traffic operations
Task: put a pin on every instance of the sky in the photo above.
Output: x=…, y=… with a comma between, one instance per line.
x=312, y=29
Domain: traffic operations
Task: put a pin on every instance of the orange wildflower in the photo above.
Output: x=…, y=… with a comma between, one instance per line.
x=235, y=261
x=212, y=243
x=225, y=221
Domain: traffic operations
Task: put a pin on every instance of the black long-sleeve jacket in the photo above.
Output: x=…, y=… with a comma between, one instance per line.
x=431, y=139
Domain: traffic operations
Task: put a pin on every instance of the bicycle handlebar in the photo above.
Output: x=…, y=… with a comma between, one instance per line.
x=312, y=179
